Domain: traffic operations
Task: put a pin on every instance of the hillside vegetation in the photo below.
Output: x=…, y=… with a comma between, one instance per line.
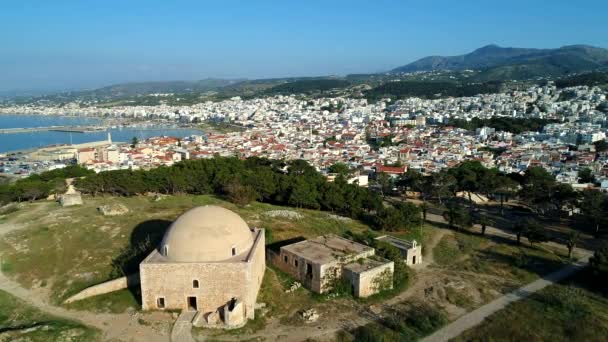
x=401, y=89
x=307, y=86
x=498, y=63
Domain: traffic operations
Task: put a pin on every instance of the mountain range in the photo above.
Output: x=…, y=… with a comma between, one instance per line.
x=503, y=63
x=490, y=63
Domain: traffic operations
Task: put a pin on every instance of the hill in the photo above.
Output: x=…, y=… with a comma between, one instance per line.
x=499, y=63
x=424, y=89
x=141, y=88
x=307, y=86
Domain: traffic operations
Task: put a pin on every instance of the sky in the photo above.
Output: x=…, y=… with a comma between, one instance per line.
x=65, y=45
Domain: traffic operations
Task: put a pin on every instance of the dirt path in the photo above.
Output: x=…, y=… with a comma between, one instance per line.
x=477, y=316
x=429, y=257
x=117, y=327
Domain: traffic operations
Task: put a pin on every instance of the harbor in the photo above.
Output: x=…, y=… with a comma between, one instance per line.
x=66, y=129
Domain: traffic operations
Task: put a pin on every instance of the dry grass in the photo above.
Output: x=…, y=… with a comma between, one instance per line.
x=19, y=321
x=64, y=250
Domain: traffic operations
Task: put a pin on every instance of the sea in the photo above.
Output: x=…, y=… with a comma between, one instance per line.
x=25, y=141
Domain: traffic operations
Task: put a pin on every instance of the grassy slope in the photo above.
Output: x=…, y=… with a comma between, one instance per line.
x=465, y=252
x=19, y=321
x=563, y=312
x=64, y=250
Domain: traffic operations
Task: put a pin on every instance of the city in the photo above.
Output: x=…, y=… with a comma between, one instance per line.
x=332, y=172
x=326, y=131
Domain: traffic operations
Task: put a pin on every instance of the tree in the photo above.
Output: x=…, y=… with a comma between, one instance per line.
x=385, y=182
x=469, y=176
x=505, y=188
x=390, y=252
x=402, y=216
x=537, y=188
x=340, y=168
x=483, y=221
x=457, y=217
x=536, y=233
x=519, y=228
x=442, y=185
x=134, y=142
x=601, y=145
x=303, y=194
x=593, y=207
x=424, y=207
x=599, y=262
x=585, y=175
x=571, y=242
x=564, y=197
x=240, y=194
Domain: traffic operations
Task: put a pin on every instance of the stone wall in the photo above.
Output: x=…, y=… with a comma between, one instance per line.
x=107, y=287
x=219, y=282
x=67, y=200
x=257, y=266
x=299, y=272
x=322, y=274
x=413, y=256
x=366, y=283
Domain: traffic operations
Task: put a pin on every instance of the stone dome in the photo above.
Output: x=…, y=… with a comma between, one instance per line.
x=207, y=233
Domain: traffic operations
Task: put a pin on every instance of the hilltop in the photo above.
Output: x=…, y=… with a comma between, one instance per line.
x=500, y=63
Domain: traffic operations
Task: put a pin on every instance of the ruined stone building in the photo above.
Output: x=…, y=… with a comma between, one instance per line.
x=411, y=251
x=320, y=262
x=209, y=261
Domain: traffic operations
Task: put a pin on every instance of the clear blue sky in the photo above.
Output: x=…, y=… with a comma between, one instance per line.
x=73, y=44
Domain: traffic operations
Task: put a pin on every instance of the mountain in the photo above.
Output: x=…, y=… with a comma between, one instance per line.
x=142, y=88
x=499, y=63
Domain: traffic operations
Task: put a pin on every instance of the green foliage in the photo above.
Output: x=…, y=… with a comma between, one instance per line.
x=416, y=320
x=39, y=186
x=402, y=89
x=585, y=175
x=403, y=216
x=307, y=86
x=457, y=217
x=588, y=79
x=20, y=321
x=541, y=191
x=599, y=264
x=601, y=145
x=242, y=180
x=594, y=206
x=340, y=168
x=535, y=232
x=240, y=194
x=569, y=312
x=401, y=274
x=403, y=322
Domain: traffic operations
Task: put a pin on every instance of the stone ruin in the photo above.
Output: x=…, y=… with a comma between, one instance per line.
x=230, y=316
x=70, y=197
x=113, y=209
x=310, y=315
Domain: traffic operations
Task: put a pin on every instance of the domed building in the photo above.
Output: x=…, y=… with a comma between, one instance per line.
x=209, y=261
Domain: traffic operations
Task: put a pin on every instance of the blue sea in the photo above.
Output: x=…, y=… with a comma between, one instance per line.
x=22, y=141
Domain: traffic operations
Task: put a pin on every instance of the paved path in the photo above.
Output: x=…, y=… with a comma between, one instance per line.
x=477, y=316
x=182, y=329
